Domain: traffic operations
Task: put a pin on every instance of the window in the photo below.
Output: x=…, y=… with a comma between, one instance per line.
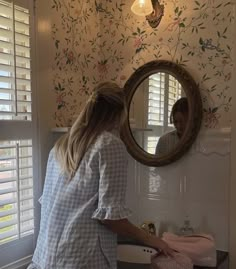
x=15, y=73
x=164, y=91
x=17, y=136
x=16, y=191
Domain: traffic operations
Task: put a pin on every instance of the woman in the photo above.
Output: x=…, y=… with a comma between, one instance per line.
x=83, y=199
x=179, y=117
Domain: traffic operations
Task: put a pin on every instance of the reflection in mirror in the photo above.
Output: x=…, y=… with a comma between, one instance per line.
x=151, y=92
x=158, y=114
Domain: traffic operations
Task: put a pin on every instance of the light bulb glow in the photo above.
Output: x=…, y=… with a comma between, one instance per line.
x=142, y=7
x=141, y=3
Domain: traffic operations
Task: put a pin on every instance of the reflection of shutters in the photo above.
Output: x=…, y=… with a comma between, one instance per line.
x=15, y=77
x=151, y=144
x=174, y=93
x=16, y=190
x=164, y=90
x=156, y=99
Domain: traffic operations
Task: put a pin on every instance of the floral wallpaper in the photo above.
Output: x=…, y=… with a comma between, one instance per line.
x=104, y=40
x=76, y=34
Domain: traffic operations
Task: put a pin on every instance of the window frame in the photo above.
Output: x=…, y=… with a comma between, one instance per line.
x=20, y=251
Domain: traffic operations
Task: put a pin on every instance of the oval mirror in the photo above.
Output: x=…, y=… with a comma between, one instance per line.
x=164, y=113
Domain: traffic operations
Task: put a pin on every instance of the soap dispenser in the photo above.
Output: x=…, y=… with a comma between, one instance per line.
x=186, y=229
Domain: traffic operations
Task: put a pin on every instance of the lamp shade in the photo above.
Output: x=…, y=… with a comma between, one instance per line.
x=142, y=7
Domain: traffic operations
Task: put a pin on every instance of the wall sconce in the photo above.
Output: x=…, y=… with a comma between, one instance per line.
x=149, y=8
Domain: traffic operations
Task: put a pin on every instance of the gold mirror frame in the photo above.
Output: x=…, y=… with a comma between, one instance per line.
x=195, y=112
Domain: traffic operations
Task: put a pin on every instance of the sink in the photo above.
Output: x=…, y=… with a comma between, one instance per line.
x=134, y=254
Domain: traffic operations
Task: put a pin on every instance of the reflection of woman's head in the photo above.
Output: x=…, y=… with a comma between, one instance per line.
x=179, y=115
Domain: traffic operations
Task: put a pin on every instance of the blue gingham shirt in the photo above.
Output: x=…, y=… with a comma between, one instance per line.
x=71, y=237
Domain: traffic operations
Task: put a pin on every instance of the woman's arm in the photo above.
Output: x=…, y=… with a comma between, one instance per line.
x=111, y=210
x=125, y=228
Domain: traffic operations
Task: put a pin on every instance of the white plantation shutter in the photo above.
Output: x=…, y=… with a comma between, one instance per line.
x=174, y=93
x=156, y=99
x=151, y=143
x=16, y=191
x=164, y=90
x=17, y=133
x=15, y=62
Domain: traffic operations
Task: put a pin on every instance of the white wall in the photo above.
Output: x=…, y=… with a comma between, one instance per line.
x=197, y=185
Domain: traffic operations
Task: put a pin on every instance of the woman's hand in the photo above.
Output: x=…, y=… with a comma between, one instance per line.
x=125, y=228
x=159, y=244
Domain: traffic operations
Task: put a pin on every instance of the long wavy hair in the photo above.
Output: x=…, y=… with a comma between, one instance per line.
x=104, y=111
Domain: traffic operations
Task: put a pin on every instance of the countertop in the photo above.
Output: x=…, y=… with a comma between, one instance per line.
x=221, y=257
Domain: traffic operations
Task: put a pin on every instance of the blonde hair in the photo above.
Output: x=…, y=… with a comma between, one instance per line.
x=104, y=111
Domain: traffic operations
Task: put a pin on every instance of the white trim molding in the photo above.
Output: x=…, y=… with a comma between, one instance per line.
x=213, y=141
x=20, y=264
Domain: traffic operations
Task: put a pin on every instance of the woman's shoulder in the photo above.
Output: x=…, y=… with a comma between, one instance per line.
x=169, y=134
x=109, y=138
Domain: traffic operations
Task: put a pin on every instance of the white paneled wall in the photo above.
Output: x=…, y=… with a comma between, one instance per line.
x=197, y=185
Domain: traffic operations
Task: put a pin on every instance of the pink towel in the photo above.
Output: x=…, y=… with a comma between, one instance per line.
x=178, y=261
x=200, y=248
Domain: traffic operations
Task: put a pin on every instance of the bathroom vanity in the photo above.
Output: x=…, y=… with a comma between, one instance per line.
x=222, y=258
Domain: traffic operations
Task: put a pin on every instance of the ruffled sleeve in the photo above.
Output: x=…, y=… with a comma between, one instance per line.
x=112, y=182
